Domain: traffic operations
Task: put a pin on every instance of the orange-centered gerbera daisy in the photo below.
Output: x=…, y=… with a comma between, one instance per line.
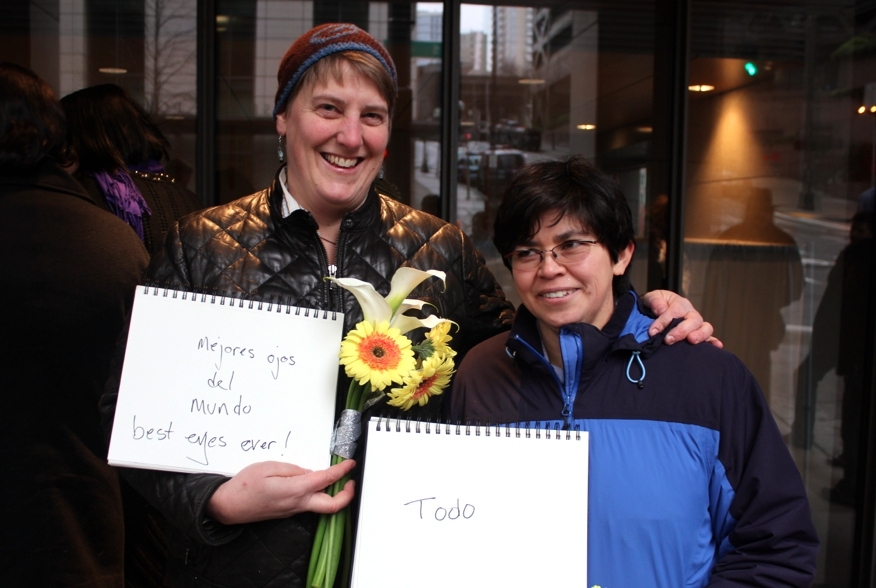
x=422, y=385
x=376, y=354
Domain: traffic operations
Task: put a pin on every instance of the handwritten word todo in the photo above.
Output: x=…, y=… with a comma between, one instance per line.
x=440, y=513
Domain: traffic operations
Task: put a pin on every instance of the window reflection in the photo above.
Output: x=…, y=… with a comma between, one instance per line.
x=148, y=47
x=547, y=81
x=770, y=197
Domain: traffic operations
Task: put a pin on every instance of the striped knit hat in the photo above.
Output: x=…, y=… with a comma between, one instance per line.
x=319, y=42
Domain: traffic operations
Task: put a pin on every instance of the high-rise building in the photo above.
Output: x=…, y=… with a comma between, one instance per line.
x=473, y=52
x=513, y=25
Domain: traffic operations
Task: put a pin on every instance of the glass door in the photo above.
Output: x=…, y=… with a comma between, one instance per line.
x=778, y=229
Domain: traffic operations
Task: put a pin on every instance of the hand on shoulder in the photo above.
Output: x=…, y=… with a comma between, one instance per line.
x=669, y=306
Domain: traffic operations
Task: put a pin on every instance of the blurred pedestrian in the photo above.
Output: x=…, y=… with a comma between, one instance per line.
x=120, y=153
x=68, y=279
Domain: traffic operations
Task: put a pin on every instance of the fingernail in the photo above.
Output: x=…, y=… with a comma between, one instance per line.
x=670, y=339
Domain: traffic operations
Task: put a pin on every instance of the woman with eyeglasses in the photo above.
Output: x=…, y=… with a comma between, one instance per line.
x=690, y=481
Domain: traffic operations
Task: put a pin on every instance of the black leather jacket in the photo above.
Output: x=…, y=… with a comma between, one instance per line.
x=246, y=248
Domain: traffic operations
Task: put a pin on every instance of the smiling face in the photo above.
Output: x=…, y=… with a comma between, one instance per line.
x=336, y=134
x=580, y=293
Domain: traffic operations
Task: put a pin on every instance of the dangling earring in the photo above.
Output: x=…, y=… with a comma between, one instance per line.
x=380, y=173
x=280, y=147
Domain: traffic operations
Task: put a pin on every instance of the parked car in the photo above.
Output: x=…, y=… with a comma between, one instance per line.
x=495, y=170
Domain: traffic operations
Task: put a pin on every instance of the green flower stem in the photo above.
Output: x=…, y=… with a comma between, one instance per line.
x=334, y=531
x=348, y=549
x=336, y=541
x=323, y=563
x=316, y=550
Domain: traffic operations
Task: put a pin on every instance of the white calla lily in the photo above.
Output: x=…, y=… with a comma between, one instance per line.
x=392, y=308
x=404, y=281
x=405, y=323
x=374, y=306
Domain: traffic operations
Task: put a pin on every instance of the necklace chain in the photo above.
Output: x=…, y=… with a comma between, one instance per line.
x=335, y=243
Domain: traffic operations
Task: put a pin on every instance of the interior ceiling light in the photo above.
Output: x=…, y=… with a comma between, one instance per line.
x=113, y=70
x=586, y=127
x=530, y=81
x=862, y=109
x=645, y=129
x=701, y=88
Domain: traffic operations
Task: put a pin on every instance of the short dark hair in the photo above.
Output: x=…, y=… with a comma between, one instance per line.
x=570, y=187
x=32, y=125
x=109, y=130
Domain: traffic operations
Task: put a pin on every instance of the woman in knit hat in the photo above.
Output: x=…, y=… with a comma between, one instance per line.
x=322, y=216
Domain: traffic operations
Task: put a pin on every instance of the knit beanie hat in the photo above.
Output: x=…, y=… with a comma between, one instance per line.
x=319, y=42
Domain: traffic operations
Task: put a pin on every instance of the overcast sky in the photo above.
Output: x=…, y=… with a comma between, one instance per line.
x=474, y=17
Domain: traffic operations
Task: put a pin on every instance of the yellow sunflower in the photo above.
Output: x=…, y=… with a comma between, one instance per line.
x=429, y=381
x=439, y=336
x=377, y=354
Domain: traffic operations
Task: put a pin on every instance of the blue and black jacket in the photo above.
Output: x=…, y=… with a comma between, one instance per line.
x=690, y=482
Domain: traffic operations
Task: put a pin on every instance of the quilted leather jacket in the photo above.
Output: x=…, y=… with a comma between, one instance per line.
x=246, y=248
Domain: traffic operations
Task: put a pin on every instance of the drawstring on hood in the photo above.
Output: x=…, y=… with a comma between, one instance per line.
x=637, y=325
x=635, y=355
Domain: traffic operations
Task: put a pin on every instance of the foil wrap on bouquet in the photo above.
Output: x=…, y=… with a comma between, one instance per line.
x=346, y=433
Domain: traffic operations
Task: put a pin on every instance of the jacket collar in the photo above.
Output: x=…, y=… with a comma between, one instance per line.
x=47, y=175
x=624, y=331
x=362, y=218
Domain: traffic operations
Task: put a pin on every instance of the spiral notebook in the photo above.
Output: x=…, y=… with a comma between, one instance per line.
x=465, y=505
x=213, y=383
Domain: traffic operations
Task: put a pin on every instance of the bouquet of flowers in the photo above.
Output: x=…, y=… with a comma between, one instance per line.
x=376, y=355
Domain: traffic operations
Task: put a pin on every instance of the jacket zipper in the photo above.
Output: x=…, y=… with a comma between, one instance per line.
x=567, y=391
x=331, y=269
x=550, y=369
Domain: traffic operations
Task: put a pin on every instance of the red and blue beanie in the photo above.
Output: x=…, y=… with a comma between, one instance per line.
x=319, y=42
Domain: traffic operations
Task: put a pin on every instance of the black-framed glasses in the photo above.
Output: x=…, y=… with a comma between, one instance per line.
x=566, y=253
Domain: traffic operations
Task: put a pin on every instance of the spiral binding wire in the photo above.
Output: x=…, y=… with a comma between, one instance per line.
x=389, y=424
x=239, y=299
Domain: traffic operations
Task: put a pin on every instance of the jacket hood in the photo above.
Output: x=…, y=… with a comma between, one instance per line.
x=629, y=325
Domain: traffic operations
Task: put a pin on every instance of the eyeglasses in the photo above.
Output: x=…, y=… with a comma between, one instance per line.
x=566, y=253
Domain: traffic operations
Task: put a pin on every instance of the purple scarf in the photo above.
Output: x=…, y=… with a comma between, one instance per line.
x=123, y=198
